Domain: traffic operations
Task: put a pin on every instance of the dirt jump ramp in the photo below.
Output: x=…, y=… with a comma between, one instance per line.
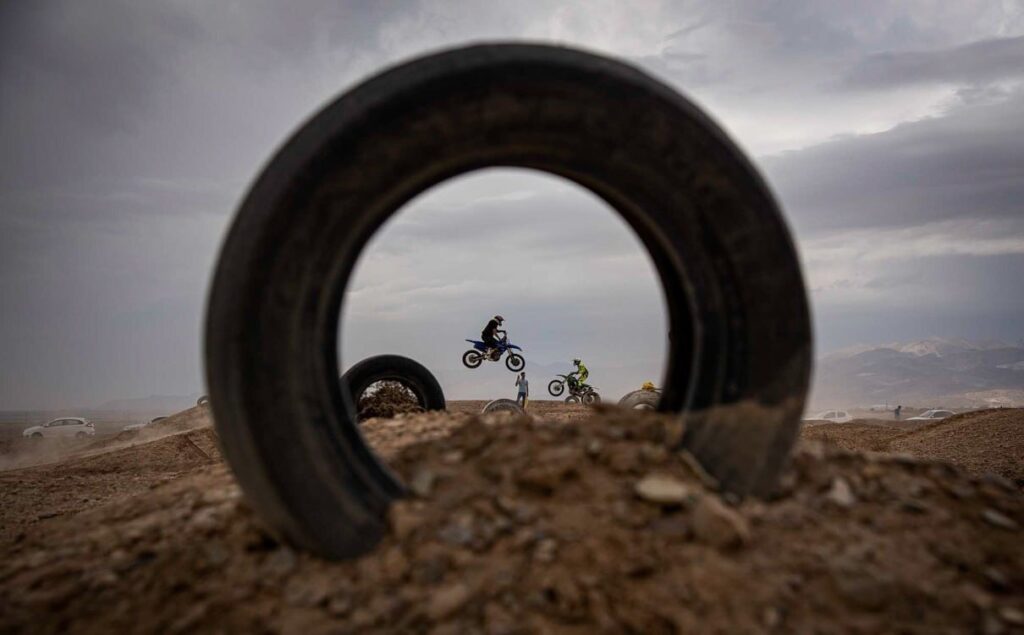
x=737, y=313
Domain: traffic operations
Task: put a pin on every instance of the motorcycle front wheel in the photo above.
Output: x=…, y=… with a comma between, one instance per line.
x=556, y=388
x=572, y=399
x=472, y=359
x=515, y=363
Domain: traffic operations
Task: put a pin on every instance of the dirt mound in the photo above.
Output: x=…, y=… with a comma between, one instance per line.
x=387, y=399
x=980, y=441
x=546, y=527
x=192, y=419
x=33, y=494
x=855, y=435
x=983, y=441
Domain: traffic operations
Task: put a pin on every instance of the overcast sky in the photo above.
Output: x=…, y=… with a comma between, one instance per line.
x=892, y=133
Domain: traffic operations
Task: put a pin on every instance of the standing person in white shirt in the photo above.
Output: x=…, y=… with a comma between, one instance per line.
x=524, y=389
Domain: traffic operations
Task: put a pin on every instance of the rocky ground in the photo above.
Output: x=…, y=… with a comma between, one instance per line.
x=980, y=441
x=568, y=524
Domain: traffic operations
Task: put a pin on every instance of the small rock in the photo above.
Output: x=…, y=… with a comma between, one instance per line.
x=498, y=620
x=862, y=588
x=430, y=569
x=447, y=600
x=405, y=519
x=674, y=526
x=458, y=533
x=394, y=564
x=998, y=519
x=990, y=625
x=545, y=550
x=188, y=621
x=452, y=457
x=653, y=454
x=1012, y=615
x=914, y=507
x=960, y=490
x=304, y=592
x=550, y=468
x=999, y=481
x=840, y=493
x=205, y=520
x=422, y=482
x=716, y=525
x=215, y=552
x=664, y=490
x=977, y=596
x=280, y=562
x=339, y=606
x=103, y=578
x=698, y=470
x=996, y=578
x=771, y=617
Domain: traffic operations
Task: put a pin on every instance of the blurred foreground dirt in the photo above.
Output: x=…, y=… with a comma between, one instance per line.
x=569, y=524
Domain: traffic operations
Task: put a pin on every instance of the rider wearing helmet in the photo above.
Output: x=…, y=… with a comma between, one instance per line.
x=489, y=334
x=581, y=373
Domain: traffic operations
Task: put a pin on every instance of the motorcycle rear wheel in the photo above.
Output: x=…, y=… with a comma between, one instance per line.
x=472, y=358
x=591, y=398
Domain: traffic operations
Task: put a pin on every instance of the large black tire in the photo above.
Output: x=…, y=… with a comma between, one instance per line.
x=591, y=398
x=515, y=362
x=737, y=311
x=472, y=359
x=556, y=387
x=641, y=400
x=503, y=405
x=408, y=372
x=572, y=399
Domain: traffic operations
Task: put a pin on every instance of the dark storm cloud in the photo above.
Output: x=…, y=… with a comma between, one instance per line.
x=974, y=63
x=78, y=77
x=944, y=296
x=965, y=164
x=129, y=131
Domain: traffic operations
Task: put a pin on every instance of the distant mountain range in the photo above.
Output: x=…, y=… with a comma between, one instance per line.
x=929, y=373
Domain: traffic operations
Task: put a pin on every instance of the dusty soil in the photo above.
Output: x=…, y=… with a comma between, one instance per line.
x=980, y=441
x=525, y=527
x=387, y=399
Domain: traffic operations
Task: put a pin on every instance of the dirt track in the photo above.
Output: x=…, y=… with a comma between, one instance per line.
x=532, y=528
x=981, y=441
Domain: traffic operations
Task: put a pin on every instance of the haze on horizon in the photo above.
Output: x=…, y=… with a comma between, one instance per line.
x=891, y=132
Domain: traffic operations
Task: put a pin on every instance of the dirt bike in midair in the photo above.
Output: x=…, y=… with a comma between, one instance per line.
x=480, y=353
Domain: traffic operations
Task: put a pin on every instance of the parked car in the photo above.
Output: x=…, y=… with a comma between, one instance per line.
x=831, y=416
x=932, y=415
x=142, y=424
x=62, y=427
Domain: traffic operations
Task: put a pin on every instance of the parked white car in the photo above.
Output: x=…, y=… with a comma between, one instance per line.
x=932, y=415
x=62, y=427
x=831, y=416
x=142, y=424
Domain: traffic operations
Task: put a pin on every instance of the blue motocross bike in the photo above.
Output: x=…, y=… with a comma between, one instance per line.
x=479, y=353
